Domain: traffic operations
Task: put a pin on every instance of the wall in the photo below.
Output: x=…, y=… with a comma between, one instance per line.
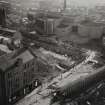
x=85, y=33
x=90, y=31
x=0, y=88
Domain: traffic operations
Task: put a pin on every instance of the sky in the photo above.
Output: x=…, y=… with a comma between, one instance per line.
x=87, y=2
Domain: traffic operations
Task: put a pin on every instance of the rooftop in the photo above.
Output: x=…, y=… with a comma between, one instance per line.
x=5, y=49
x=2, y=52
x=65, y=23
x=9, y=60
x=91, y=23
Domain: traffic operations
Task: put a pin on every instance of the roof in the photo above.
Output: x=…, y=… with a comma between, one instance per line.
x=4, y=2
x=8, y=60
x=7, y=30
x=5, y=49
x=26, y=56
x=5, y=61
x=5, y=38
x=71, y=80
x=91, y=23
x=49, y=14
x=17, y=36
x=2, y=52
x=65, y=23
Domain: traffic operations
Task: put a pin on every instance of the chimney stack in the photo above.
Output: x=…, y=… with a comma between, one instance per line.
x=64, y=7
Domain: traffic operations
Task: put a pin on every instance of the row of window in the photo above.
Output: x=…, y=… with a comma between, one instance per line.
x=13, y=74
x=13, y=84
x=28, y=76
x=27, y=65
x=15, y=78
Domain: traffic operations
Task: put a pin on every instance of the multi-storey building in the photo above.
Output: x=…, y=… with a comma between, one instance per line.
x=17, y=75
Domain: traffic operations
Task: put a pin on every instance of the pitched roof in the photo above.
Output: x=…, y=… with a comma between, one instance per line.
x=26, y=56
x=5, y=49
x=2, y=52
x=9, y=60
x=5, y=61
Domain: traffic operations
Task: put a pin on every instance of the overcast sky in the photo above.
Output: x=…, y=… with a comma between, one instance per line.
x=87, y=2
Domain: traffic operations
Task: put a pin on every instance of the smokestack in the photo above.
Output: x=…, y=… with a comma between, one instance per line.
x=64, y=7
x=2, y=17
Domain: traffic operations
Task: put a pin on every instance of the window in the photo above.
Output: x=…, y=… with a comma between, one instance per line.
x=75, y=28
x=32, y=69
x=24, y=73
x=32, y=73
x=9, y=75
x=16, y=73
x=9, y=83
x=40, y=23
x=33, y=63
x=28, y=65
x=25, y=66
x=16, y=84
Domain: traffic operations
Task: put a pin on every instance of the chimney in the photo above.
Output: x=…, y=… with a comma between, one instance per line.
x=2, y=17
x=64, y=6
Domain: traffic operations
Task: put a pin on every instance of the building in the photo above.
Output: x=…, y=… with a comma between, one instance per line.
x=11, y=38
x=90, y=29
x=64, y=27
x=47, y=25
x=17, y=75
x=81, y=32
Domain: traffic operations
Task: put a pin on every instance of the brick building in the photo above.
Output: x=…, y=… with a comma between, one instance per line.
x=17, y=75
